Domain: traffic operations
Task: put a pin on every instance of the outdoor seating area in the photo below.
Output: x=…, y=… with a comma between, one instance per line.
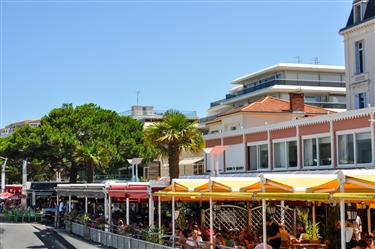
x=307, y=210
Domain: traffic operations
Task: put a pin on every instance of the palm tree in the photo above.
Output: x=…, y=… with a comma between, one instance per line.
x=174, y=134
x=91, y=158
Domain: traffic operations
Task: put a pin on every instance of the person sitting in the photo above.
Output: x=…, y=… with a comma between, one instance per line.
x=303, y=236
x=260, y=245
x=284, y=235
x=361, y=244
x=219, y=242
x=273, y=233
x=194, y=240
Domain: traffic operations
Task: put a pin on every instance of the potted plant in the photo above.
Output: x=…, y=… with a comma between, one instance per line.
x=85, y=221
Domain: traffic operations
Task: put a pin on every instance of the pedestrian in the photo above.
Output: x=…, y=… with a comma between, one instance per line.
x=273, y=233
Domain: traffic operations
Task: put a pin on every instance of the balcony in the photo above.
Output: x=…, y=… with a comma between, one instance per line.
x=278, y=82
x=328, y=105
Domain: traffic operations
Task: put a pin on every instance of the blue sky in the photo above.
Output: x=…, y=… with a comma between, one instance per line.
x=179, y=54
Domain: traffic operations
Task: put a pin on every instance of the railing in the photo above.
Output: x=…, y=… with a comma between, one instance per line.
x=278, y=82
x=109, y=239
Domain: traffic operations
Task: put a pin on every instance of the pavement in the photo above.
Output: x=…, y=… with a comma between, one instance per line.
x=26, y=235
x=34, y=235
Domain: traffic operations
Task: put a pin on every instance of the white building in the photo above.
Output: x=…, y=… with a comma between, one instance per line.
x=359, y=39
x=322, y=86
x=9, y=129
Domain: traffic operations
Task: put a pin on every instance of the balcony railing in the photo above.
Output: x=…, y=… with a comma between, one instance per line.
x=278, y=82
x=330, y=105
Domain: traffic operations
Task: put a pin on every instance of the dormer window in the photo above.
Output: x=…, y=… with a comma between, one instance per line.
x=357, y=13
x=359, y=9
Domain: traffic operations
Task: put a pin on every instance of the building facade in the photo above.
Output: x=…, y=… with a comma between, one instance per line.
x=359, y=40
x=322, y=86
x=334, y=141
x=9, y=129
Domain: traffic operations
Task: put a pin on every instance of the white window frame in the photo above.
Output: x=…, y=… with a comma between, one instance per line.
x=354, y=133
x=257, y=144
x=356, y=57
x=284, y=140
x=316, y=137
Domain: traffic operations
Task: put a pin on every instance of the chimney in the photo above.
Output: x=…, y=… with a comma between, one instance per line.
x=296, y=102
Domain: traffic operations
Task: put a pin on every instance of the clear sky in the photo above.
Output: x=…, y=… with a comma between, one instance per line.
x=179, y=54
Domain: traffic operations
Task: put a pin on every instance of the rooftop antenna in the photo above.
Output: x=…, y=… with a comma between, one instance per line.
x=298, y=59
x=316, y=60
x=138, y=92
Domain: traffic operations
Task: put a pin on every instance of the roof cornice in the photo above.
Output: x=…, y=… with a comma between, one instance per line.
x=358, y=26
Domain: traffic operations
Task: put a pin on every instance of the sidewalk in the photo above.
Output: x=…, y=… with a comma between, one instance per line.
x=71, y=241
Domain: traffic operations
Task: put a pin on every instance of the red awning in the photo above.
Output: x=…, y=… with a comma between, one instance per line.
x=129, y=191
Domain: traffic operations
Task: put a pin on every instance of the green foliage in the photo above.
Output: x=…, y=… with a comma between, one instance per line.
x=303, y=216
x=83, y=138
x=172, y=136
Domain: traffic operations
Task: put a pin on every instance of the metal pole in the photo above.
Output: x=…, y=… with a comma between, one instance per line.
x=150, y=210
x=136, y=172
x=342, y=224
x=24, y=183
x=86, y=205
x=109, y=211
x=264, y=221
x=57, y=211
x=127, y=212
x=70, y=203
x=314, y=221
x=282, y=204
x=159, y=213
x=133, y=170
x=173, y=213
x=211, y=219
x=3, y=175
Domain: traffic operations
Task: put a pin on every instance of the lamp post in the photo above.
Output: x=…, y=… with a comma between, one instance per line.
x=134, y=162
x=3, y=174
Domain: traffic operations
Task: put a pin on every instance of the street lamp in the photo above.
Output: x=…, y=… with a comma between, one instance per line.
x=134, y=162
x=3, y=174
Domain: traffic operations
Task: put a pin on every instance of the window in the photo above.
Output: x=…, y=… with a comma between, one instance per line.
x=285, y=154
x=292, y=153
x=317, y=151
x=357, y=13
x=363, y=144
x=361, y=100
x=346, y=149
x=310, y=155
x=258, y=156
x=359, y=57
x=279, y=155
x=324, y=151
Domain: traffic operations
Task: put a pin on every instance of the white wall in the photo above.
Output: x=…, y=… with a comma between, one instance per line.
x=360, y=83
x=234, y=156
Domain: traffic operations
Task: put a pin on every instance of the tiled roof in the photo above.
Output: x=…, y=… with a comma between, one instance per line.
x=271, y=105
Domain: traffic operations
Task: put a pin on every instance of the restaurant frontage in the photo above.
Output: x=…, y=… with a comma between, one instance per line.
x=327, y=204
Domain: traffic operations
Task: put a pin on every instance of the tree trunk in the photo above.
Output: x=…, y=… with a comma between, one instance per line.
x=90, y=173
x=174, y=160
x=73, y=173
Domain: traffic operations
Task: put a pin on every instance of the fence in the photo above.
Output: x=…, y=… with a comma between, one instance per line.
x=110, y=239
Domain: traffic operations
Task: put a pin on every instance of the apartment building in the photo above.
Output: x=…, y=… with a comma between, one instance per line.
x=322, y=86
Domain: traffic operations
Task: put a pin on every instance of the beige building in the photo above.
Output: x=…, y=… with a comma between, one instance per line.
x=359, y=40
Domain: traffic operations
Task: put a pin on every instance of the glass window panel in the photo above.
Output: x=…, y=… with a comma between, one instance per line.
x=324, y=151
x=292, y=154
x=253, y=157
x=263, y=156
x=346, y=149
x=309, y=152
x=279, y=154
x=363, y=141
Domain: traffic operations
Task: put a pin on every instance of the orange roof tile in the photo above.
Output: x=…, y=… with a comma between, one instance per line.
x=270, y=104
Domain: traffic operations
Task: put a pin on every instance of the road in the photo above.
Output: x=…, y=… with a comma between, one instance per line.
x=20, y=236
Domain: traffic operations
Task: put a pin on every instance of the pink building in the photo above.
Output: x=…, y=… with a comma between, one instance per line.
x=333, y=141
